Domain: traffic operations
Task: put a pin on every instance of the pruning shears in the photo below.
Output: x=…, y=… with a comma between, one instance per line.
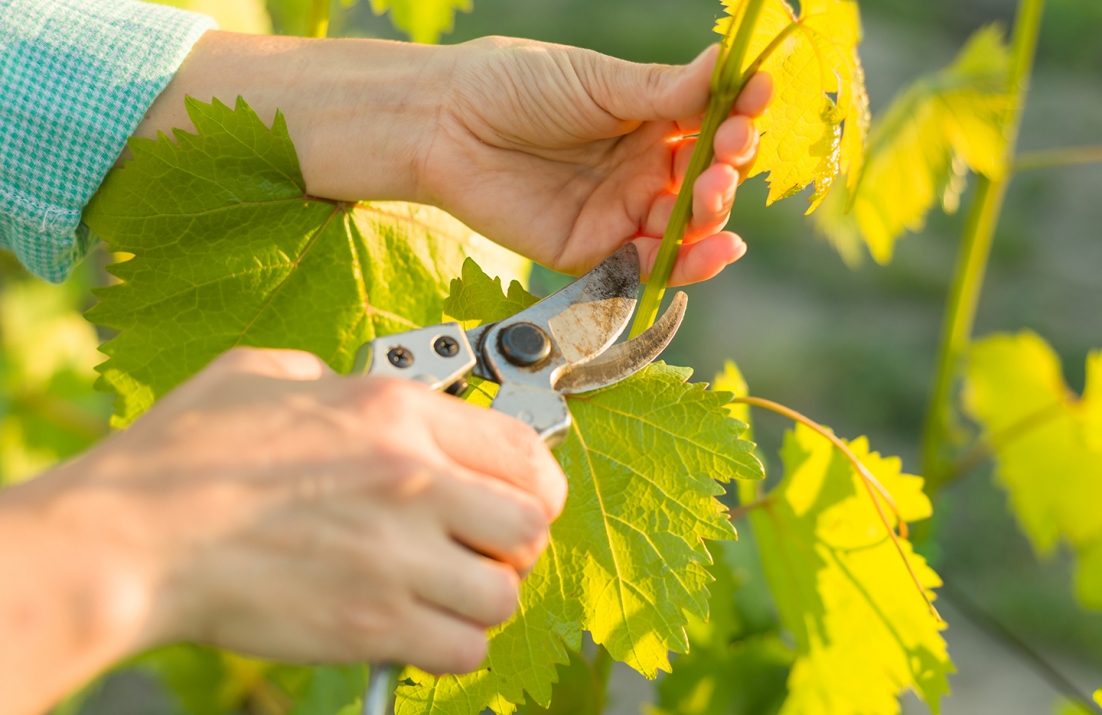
x=562, y=345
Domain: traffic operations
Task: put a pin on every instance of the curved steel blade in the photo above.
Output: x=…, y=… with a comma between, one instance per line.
x=627, y=358
x=583, y=320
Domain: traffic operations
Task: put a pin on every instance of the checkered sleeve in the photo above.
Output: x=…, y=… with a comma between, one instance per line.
x=76, y=78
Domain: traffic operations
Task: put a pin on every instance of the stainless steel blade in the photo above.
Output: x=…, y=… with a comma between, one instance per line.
x=626, y=358
x=580, y=322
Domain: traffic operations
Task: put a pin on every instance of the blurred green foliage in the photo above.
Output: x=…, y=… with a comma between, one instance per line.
x=48, y=408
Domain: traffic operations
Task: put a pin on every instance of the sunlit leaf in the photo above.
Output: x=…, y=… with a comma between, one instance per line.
x=475, y=298
x=578, y=691
x=921, y=148
x=230, y=250
x=1047, y=444
x=423, y=20
x=730, y=669
x=626, y=558
x=814, y=130
x=863, y=633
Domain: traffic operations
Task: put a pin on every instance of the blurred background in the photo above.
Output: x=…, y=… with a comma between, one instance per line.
x=853, y=348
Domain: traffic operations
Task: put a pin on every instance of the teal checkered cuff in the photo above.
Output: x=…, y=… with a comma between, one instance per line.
x=76, y=78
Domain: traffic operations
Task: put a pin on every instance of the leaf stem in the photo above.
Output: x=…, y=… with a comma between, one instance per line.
x=724, y=93
x=872, y=484
x=319, y=18
x=975, y=249
x=1051, y=158
x=984, y=449
x=744, y=509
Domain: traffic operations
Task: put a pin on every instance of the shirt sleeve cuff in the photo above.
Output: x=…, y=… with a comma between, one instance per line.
x=79, y=76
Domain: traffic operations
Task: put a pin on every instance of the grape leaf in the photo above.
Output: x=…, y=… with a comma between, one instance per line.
x=730, y=668
x=230, y=250
x=921, y=148
x=423, y=20
x=475, y=298
x=863, y=633
x=625, y=558
x=48, y=409
x=1047, y=443
x=577, y=691
x=814, y=130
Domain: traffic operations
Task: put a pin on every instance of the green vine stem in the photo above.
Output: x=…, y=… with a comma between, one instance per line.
x=319, y=18
x=975, y=249
x=725, y=90
x=1051, y=158
x=872, y=484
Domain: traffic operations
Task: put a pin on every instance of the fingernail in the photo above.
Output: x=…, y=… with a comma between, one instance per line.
x=751, y=130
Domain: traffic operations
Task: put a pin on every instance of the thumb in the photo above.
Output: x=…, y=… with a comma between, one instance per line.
x=648, y=92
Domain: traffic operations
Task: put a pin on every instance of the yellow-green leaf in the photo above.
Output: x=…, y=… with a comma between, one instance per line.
x=1047, y=443
x=920, y=150
x=423, y=20
x=863, y=632
x=814, y=130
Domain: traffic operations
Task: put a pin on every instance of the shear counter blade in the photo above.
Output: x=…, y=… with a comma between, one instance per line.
x=626, y=359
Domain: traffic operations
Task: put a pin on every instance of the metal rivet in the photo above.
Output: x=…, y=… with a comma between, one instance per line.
x=446, y=346
x=400, y=357
x=524, y=344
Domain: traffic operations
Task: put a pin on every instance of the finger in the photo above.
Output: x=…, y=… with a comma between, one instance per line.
x=690, y=125
x=735, y=139
x=713, y=195
x=280, y=364
x=501, y=447
x=697, y=261
x=470, y=586
x=496, y=519
x=659, y=216
x=752, y=102
x=438, y=642
x=755, y=96
x=641, y=92
x=682, y=155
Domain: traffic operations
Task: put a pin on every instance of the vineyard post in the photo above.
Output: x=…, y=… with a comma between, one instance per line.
x=975, y=249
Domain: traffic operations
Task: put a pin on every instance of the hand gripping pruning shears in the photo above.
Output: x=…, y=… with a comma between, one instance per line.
x=564, y=344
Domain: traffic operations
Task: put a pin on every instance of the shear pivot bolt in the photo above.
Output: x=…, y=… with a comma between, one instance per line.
x=446, y=346
x=400, y=357
x=524, y=344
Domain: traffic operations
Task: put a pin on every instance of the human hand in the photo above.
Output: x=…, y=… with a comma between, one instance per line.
x=563, y=154
x=284, y=511
x=558, y=153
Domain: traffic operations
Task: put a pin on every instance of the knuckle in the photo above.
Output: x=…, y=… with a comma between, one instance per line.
x=504, y=595
x=532, y=530
x=468, y=651
x=235, y=359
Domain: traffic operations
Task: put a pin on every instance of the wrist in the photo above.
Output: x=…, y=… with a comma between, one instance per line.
x=76, y=597
x=361, y=113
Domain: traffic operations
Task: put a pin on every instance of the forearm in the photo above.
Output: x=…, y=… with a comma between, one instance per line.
x=70, y=604
x=360, y=112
